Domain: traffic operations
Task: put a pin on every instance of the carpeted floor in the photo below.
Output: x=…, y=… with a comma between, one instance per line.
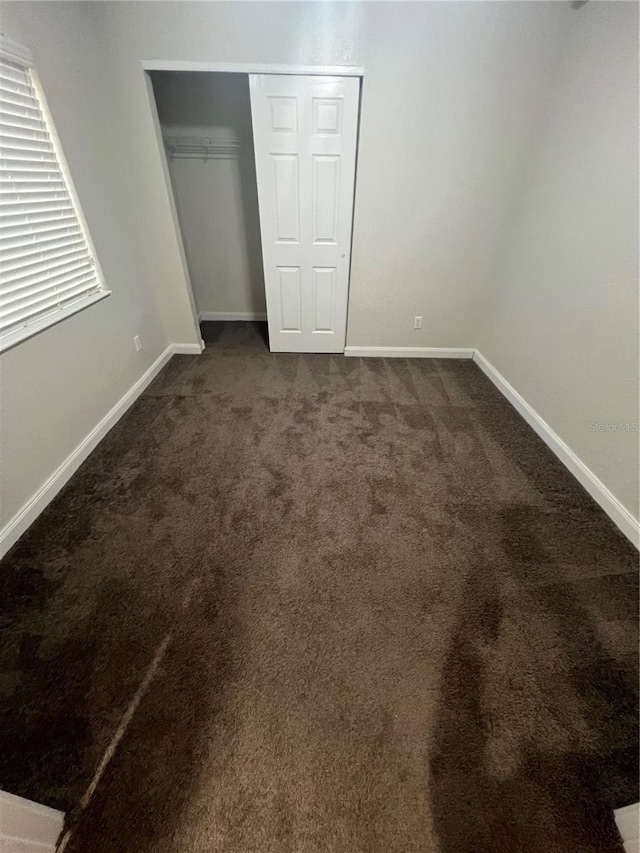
x=316, y=604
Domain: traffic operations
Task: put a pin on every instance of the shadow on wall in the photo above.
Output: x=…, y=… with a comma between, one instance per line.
x=216, y=192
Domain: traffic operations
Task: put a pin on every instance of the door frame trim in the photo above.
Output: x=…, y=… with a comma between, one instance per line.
x=252, y=68
x=149, y=65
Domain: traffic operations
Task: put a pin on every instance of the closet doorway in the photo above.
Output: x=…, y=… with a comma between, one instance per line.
x=205, y=119
x=262, y=169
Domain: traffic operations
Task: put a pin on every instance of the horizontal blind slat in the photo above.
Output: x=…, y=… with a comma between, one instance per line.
x=37, y=297
x=17, y=99
x=77, y=291
x=27, y=183
x=41, y=270
x=19, y=103
x=11, y=135
x=31, y=207
x=33, y=147
x=8, y=112
x=14, y=74
x=16, y=122
x=30, y=187
x=34, y=197
x=38, y=185
x=84, y=279
x=29, y=238
x=35, y=218
x=33, y=280
x=41, y=248
x=12, y=161
x=30, y=193
x=27, y=157
x=43, y=258
x=32, y=172
x=36, y=212
x=25, y=145
x=15, y=86
x=20, y=297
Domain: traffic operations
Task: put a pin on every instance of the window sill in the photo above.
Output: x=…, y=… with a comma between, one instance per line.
x=16, y=337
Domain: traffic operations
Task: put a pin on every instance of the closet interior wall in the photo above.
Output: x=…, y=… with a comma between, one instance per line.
x=206, y=127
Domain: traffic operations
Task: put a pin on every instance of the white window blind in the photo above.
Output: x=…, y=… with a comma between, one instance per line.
x=47, y=264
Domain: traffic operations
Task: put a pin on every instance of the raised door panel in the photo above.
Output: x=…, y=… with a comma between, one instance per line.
x=290, y=299
x=283, y=114
x=286, y=196
x=324, y=293
x=327, y=116
x=326, y=185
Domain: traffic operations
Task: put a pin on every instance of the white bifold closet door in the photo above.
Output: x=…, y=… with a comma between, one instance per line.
x=304, y=131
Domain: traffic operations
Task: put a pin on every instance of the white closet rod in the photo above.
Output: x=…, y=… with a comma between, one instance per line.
x=202, y=147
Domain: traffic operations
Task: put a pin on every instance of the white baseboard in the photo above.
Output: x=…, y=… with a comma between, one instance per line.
x=620, y=516
x=14, y=529
x=27, y=825
x=628, y=822
x=187, y=349
x=231, y=315
x=409, y=352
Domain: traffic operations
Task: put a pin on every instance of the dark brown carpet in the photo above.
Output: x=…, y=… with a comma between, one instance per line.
x=384, y=617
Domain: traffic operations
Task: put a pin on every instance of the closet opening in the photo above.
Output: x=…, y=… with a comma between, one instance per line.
x=205, y=121
x=261, y=163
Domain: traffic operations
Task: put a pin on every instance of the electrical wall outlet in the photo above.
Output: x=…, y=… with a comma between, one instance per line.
x=137, y=343
x=417, y=322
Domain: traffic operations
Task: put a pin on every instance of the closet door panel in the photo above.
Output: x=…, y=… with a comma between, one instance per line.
x=305, y=130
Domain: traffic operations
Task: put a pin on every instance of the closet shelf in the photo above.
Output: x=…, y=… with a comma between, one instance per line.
x=202, y=147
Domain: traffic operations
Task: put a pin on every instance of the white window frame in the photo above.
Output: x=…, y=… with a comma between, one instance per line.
x=19, y=55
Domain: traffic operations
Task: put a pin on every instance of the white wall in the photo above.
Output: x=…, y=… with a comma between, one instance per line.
x=451, y=95
x=217, y=199
x=56, y=386
x=561, y=322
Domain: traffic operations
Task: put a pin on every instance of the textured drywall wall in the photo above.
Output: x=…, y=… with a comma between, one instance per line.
x=451, y=96
x=561, y=322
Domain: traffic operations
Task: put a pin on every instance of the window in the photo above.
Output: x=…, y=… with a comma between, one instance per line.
x=48, y=268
